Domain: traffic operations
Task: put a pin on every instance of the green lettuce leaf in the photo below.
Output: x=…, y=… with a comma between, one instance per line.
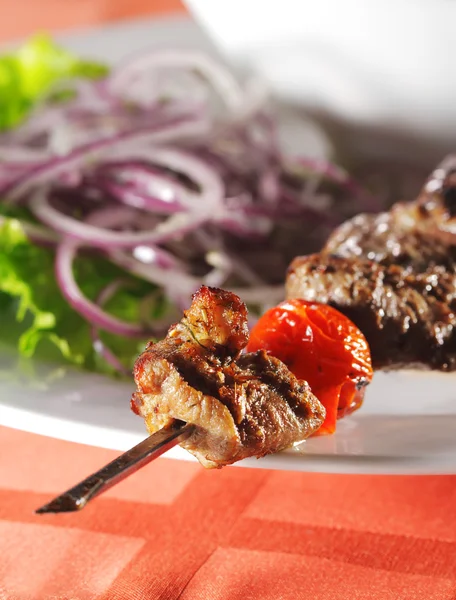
x=35, y=317
x=30, y=73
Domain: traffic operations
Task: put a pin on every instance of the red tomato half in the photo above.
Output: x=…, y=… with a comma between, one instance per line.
x=322, y=346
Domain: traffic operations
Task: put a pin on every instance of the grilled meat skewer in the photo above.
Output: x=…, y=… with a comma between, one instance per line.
x=197, y=389
x=241, y=404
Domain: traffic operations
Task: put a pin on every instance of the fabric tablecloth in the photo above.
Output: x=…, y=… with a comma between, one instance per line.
x=174, y=530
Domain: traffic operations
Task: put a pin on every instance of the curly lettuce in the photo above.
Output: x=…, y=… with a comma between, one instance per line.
x=33, y=71
x=36, y=318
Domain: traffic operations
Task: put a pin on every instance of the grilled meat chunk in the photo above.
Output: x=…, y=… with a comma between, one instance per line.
x=408, y=319
x=241, y=404
x=394, y=276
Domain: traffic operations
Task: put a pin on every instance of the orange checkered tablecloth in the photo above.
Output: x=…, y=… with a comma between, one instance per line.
x=175, y=530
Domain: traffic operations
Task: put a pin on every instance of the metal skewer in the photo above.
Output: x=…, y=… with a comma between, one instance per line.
x=131, y=461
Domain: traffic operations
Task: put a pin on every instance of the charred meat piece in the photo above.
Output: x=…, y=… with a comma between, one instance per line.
x=408, y=319
x=241, y=404
x=416, y=235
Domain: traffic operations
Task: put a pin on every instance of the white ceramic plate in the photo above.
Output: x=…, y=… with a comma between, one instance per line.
x=408, y=421
x=406, y=425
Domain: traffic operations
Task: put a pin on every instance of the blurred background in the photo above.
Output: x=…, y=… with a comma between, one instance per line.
x=377, y=78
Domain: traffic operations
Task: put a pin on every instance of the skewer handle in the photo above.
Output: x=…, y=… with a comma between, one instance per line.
x=131, y=461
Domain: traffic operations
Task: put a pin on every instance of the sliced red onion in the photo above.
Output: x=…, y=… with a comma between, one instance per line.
x=265, y=295
x=243, y=224
x=165, y=204
x=338, y=175
x=226, y=263
x=217, y=276
x=205, y=205
x=66, y=252
x=243, y=270
x=256, y=94
x=160, y=325
x=157, y=328
x=121, y=144
x=98, y=345
x=24, y=157
x=153, y=255
x=269, y=187
x=178, y=284
x=174, y=226
x=112, y=216
x=220, y=78
x=211, y=188
x=108, y=356
x=325, y=168
x=148, y=255
x=160, y=195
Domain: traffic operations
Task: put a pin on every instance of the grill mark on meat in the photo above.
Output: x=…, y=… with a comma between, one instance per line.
x=195, y=378
x=274, y=374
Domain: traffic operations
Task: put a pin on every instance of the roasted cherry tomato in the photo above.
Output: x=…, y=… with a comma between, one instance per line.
x=322, y=346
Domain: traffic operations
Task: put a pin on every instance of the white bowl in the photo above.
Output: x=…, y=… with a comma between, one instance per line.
x=382, y=63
